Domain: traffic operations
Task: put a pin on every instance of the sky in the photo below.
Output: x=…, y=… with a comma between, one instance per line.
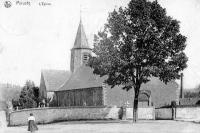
x=34, y=37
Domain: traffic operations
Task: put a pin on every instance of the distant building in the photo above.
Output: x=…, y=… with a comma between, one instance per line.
x=80, y=87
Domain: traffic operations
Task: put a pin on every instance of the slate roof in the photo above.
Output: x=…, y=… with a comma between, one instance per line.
x=55, y=78
x=83, y=77
x=81, y=39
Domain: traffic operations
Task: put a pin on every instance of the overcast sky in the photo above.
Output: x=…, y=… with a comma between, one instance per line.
x=35, y=37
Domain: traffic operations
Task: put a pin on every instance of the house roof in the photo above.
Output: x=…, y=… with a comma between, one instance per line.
x=55, y=78
x=81, y=39
x=83, y=77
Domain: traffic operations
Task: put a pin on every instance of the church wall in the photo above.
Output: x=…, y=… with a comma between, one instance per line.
x=80, y=97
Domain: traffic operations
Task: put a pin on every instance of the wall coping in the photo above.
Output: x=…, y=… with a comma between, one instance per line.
x=177, y=107
x=143, y=107
x=45, y=108
x=188, y=107
x=70, y=107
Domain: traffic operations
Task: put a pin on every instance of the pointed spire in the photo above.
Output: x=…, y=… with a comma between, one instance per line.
x=80, y=12
x=81, y=39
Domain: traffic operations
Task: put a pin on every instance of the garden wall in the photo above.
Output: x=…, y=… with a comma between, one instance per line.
x=147, y=113
x=3, y=122
x=181, y=113
x=48, y=115
x=188, y=113
x=163, y=114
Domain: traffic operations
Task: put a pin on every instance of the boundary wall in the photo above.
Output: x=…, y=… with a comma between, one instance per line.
x=188, y=113
x=54, y=114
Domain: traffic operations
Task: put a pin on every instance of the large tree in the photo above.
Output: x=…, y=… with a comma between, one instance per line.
x=138, y=42
x=29, y=97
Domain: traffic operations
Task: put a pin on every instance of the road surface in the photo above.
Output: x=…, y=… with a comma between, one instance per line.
x=113, y=127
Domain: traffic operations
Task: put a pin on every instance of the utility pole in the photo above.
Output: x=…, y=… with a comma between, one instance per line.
x=181, y=87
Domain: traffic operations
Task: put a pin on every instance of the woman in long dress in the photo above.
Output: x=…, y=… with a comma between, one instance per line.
x=32, y=127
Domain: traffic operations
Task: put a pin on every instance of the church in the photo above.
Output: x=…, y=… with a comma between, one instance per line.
x=80, y=87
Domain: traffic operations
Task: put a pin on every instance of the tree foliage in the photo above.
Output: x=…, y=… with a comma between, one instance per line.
x=138, y=42
x=29, y=97
x=191, y=94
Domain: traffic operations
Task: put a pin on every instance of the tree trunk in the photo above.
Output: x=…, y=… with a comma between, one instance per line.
x=135, y=105
x=135, y=110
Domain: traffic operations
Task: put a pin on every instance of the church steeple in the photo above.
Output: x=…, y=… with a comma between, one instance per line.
x=81, y=39
x=81, y=49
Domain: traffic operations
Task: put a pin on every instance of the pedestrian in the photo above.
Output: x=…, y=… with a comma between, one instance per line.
x=32, y=127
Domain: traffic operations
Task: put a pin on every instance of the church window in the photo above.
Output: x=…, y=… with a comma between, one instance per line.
x=85, y=57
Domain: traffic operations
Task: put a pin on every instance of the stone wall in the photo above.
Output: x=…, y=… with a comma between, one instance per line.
x=188, y=113
x=48, y=115
x=3, y=122
x=181, y=113
x=163, y=114
x=147, y=113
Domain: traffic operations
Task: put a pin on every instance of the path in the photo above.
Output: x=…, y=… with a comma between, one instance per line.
x=114, y=127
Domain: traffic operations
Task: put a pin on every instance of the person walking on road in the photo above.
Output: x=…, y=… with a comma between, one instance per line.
x=32, y=127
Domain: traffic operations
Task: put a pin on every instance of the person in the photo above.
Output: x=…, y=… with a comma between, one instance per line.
x=32, y=127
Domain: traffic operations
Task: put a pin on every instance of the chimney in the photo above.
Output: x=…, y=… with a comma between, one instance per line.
x=181, y=89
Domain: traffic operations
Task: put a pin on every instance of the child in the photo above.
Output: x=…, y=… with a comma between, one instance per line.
x=31, y=123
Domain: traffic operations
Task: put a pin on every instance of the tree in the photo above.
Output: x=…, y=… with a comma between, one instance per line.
x=29, y=97
x=197, y=89
x=36, y=94
x=191, y=94
x=139, y=42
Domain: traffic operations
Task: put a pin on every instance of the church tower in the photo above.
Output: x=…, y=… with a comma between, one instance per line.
x=81, y=50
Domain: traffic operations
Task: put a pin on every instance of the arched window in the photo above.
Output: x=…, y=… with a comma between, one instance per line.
x=144, y=98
